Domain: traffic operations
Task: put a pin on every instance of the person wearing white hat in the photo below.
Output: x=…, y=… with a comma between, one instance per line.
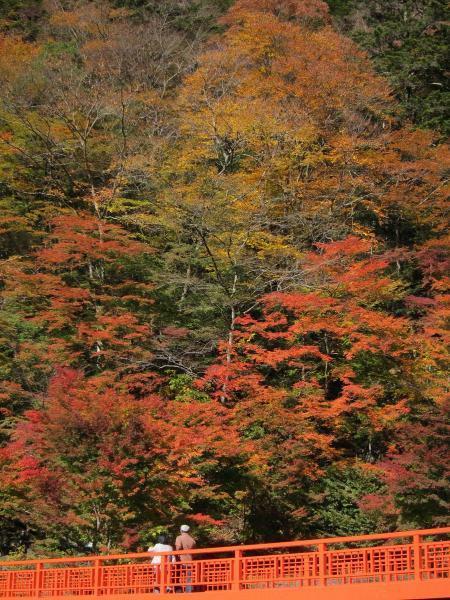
x=186, y=542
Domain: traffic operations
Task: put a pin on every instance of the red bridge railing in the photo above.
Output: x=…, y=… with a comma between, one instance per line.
x=383, y=558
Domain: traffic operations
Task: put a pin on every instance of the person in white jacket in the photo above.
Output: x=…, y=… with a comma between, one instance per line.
x=160, y=546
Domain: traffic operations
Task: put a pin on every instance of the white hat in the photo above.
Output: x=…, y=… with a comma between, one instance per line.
x=184, y=528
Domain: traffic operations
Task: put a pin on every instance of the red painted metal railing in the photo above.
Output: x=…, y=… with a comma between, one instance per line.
x=385, y=558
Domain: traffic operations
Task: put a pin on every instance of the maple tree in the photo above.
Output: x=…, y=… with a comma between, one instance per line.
x=415, y=468
x=75, y=290
x=82, y=291
x=331, y=376
x=100, y=465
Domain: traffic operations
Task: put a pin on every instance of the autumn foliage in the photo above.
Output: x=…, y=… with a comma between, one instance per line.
x=224, y=274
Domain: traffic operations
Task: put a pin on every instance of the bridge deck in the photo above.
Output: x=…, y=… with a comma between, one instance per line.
x=405, y=565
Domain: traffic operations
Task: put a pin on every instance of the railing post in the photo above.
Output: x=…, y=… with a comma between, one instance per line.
x=417, y=557
x=163, y=575
x=387, y=566
x=322, y=564
x=37, y=590
x=97, y=576
x=9, y=584
x=237, y=570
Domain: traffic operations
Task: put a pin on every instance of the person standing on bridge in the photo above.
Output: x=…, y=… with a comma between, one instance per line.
x=160, y=546
x=186, y=542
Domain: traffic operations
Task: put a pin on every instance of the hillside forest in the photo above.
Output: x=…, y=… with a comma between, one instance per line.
x=223, y=270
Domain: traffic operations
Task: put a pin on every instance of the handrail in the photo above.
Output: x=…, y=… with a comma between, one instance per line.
x=232, y=549
x=422, y=560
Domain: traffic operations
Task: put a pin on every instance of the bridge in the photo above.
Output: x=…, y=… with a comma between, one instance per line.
x=410, y=565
